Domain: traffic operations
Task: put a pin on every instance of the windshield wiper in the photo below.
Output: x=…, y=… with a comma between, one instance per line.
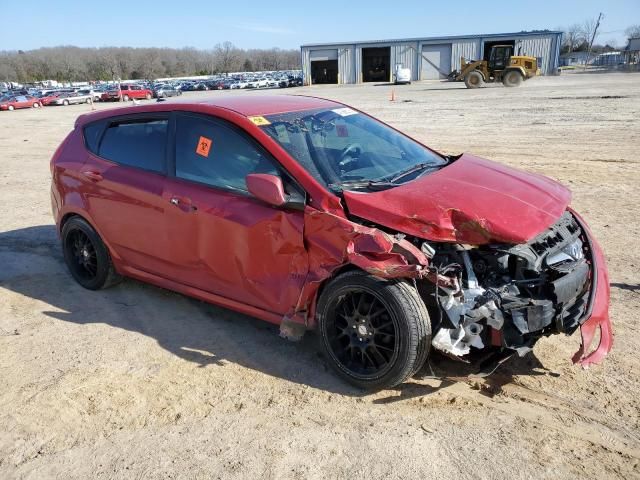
x=369, y=184
x=409, y=171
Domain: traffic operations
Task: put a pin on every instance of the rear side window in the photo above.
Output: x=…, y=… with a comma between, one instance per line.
x=92, y=136
x=139, y=144
x=209, y=151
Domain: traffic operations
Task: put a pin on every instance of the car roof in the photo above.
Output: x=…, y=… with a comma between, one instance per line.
x=251, y=105
x=247, y=105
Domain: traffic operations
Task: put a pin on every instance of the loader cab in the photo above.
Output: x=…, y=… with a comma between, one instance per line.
x=500, y=57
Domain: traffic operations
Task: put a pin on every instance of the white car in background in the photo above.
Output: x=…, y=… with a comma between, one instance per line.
x=402, y=75
x=88, y=91
x=71, y=98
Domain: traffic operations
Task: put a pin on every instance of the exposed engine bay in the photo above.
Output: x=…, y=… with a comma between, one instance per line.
x=508, y=295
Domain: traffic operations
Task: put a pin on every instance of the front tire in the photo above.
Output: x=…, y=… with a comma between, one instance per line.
x=148, y=96
x=86, y=255
x=65, y=103
x=375, y=333
x=474, y=79
x=512, y=78
x=11, y=108
x=36, y=105
x=125, y=98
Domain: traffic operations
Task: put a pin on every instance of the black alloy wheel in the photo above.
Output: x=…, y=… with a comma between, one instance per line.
x=85, y=261
x=86, y=255
x=375, y=333
x=362, y=334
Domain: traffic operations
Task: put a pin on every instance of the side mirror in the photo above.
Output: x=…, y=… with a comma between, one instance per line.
x=267, y=188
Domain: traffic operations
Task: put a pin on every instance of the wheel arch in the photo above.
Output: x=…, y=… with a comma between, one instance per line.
x=71, y=213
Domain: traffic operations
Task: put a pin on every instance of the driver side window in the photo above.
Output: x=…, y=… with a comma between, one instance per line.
x=211, y=152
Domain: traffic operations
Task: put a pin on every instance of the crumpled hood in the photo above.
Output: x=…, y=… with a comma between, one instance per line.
x=472, y=201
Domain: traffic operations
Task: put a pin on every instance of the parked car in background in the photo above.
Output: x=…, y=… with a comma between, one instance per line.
x=95, y=95
x=72, y=98
x=15, y=102
x=126, y=93
x=50, y=97
x=315, y=216
x=290, y=81
x=402, y=76
x=164, y=91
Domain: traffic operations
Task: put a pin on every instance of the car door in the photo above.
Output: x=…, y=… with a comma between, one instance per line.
x=125, y=173
x=222, y=239
x=21, y=102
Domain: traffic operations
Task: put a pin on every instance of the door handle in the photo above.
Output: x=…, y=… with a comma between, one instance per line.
x=94, y=176
x=183, y=204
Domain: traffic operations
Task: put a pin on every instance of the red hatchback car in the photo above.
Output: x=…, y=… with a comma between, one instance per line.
x=315, y=216
x=19, y=101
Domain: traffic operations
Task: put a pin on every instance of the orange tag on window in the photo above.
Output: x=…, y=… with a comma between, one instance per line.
x=204, y=145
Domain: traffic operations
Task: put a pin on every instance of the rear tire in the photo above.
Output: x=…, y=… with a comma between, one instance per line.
x=65, y=103
x=512, y=78
x=474, y=79
x=11, y=108
x=36, y=105
x=148, y=96
x=125, y=98
x=86, y=255
x=375, y=333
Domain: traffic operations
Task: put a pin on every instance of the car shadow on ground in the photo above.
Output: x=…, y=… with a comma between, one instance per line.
x=190, y=329
x=627, y=286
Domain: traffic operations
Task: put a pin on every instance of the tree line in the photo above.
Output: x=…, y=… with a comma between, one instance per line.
x=76, y=64
x=576, y=37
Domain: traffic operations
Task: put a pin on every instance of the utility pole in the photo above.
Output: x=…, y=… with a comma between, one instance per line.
x=593, y=37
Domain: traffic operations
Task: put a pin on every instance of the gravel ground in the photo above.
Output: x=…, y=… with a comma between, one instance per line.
x=138, y=382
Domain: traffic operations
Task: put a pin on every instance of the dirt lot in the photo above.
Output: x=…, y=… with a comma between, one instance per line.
x=137, y=382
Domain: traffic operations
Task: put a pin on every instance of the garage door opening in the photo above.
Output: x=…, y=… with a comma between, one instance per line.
x=376, y=64
x=324, y=71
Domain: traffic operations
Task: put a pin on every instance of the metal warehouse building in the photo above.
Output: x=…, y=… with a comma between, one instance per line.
x=428, y=58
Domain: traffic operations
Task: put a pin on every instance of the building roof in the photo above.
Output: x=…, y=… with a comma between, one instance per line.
x=445, y=38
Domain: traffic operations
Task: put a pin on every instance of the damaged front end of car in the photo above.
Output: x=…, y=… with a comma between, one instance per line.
x=490, y=298
x=509, y=296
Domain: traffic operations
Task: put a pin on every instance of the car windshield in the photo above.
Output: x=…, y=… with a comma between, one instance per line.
x=347, y=150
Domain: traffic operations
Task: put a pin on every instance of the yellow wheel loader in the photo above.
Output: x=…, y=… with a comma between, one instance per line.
x=502, y=66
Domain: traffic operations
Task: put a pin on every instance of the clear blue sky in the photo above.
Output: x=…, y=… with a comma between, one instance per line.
x=288, y=24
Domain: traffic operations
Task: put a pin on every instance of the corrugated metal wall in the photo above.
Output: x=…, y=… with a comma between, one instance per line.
x=469, y=49
x=346, y=63
x=306, y=66
x=358, y=64
x=406, y=54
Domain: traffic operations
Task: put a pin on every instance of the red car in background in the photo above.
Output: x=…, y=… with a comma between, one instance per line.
x=313, y=215
x=19, y=101
x=126, y=93
x=47, y=99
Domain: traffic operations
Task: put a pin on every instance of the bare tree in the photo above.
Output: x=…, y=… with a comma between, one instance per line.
x=227, y=57
x=573, y=37
x=633, y=31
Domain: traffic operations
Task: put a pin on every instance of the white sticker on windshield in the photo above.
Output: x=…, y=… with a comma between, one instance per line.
x=344, y=112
